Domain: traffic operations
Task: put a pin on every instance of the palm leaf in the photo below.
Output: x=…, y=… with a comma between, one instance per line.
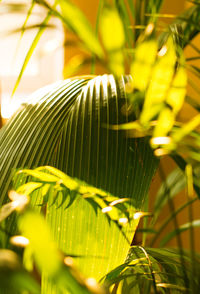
x=75, y=20
x=147, y=266
x=41, y=250
x=185, y=27
x=27, y=18
x=126, y=20
x=64, y=126
x=31, y=50
x=47, y=257
x=59, y=188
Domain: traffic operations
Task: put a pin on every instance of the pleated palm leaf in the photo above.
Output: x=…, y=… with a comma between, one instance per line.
x=66, y=125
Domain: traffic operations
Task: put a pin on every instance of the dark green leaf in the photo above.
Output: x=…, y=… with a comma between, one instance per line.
x=63, y=126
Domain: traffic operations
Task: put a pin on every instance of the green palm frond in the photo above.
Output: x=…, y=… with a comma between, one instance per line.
x=67, y=126
x=149, y=270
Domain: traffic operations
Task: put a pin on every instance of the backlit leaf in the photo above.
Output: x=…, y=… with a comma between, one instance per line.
x=66, y=125
x=141, y=68
x=165, y=123
x=177, y=91
x=186, y=128
x=161, y=79
x=111, y=29
x=34, y=228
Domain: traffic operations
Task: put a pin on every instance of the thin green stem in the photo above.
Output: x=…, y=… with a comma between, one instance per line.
x=190, y=195
x=193, y=58
x=151, y=269
x=176, y=226
x=194, y=86
x=167, y=221
x=145, y=221
x=194, y=47
x=138, y=21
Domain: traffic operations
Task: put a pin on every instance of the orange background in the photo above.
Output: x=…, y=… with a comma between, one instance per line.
x=89, y=7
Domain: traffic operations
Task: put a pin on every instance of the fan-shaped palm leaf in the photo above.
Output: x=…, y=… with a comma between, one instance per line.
x=66, y=126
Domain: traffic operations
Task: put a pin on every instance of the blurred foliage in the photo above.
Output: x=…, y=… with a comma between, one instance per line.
x=39, y=249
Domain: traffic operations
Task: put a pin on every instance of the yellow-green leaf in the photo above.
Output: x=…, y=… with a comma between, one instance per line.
x=42, y=176
x=162, y=75
x=145, y=55
x=116, y=63
x=28, y=188
x=160, y=83
x=177, y=90
x=150, y=112
x=111, y=29
x=33, y=227
x=187, y=128
x=165, y=123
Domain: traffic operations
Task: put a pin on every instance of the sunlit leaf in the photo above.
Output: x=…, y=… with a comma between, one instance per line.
x=33, y=227
x=177, y=91
x=141, y=68
x=116, y=63
x=29, y=187
x=186, y=128
x=111, y=29
x=161, y=79
x=27, y=18
x=47, y=257
x=43, y=177
x=113, y=39
x=51, y=180
x=165, y=123
x=31, y=50
x=63, y=125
